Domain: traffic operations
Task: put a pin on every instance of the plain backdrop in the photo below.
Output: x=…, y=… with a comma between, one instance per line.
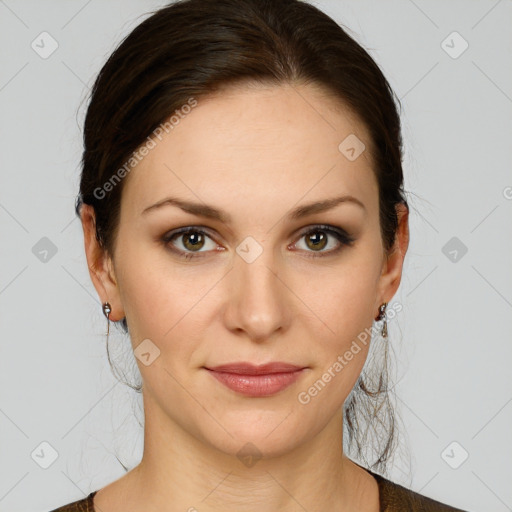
x=449, y=63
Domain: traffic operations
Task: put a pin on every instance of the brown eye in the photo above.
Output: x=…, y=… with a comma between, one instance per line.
x=185, y=242
x=193, y=240
x=316, y=240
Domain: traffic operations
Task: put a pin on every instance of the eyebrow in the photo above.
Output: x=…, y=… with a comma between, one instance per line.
x=210, y=212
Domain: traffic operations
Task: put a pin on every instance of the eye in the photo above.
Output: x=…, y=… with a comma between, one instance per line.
x=190, y=239
x=317, y=239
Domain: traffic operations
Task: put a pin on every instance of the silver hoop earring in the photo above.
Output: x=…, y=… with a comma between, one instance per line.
x=382, y=316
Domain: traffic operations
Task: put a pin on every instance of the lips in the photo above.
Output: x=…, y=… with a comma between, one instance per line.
x=256, y=381
x=244, y=368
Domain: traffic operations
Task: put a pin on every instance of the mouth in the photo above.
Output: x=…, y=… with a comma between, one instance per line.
x=257, y=381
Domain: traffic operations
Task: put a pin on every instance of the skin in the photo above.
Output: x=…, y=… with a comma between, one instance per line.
x=256, y=152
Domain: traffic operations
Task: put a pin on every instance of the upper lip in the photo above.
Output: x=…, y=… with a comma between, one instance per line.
x=244, y=368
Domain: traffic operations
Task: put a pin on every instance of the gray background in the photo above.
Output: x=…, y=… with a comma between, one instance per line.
x=452, y=340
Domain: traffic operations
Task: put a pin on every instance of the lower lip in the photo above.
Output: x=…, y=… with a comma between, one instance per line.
x=257, y=385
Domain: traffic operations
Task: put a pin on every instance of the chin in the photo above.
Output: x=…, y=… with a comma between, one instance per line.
x=258, y=438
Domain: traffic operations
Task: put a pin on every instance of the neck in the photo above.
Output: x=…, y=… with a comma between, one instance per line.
x=182, y=471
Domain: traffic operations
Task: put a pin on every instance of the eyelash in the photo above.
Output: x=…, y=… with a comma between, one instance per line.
x=341, y=235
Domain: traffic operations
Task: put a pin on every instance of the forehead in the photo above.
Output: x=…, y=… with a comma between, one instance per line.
x=256, y=143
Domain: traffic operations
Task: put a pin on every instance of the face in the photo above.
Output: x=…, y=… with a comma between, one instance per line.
x=259, y=284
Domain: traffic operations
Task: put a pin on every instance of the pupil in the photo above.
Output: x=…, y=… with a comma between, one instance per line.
x=319, y=236
x=190, y=239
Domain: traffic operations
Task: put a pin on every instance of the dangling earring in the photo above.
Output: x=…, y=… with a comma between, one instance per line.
x=106, y=311
x=382, y=316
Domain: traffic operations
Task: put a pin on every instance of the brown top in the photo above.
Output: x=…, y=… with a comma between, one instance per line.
x=393, y=498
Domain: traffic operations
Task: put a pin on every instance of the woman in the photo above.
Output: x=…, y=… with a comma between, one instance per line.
x=245, y=221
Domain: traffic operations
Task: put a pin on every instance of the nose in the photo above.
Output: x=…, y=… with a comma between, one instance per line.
x=259, y=303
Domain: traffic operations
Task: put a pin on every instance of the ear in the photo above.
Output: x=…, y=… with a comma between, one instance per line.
x=100, y=265
x=391, y=275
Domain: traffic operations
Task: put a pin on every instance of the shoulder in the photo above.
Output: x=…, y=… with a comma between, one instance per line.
x=83, y=505
x=394, y=498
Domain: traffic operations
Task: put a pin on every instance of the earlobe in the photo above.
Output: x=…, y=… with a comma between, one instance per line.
x=100, y=264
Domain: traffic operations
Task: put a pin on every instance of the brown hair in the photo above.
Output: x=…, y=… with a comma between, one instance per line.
x=191, y=48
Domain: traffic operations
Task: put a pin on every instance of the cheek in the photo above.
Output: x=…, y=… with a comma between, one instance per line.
x=343, y=299
x=340, y=351
x=163, y=300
